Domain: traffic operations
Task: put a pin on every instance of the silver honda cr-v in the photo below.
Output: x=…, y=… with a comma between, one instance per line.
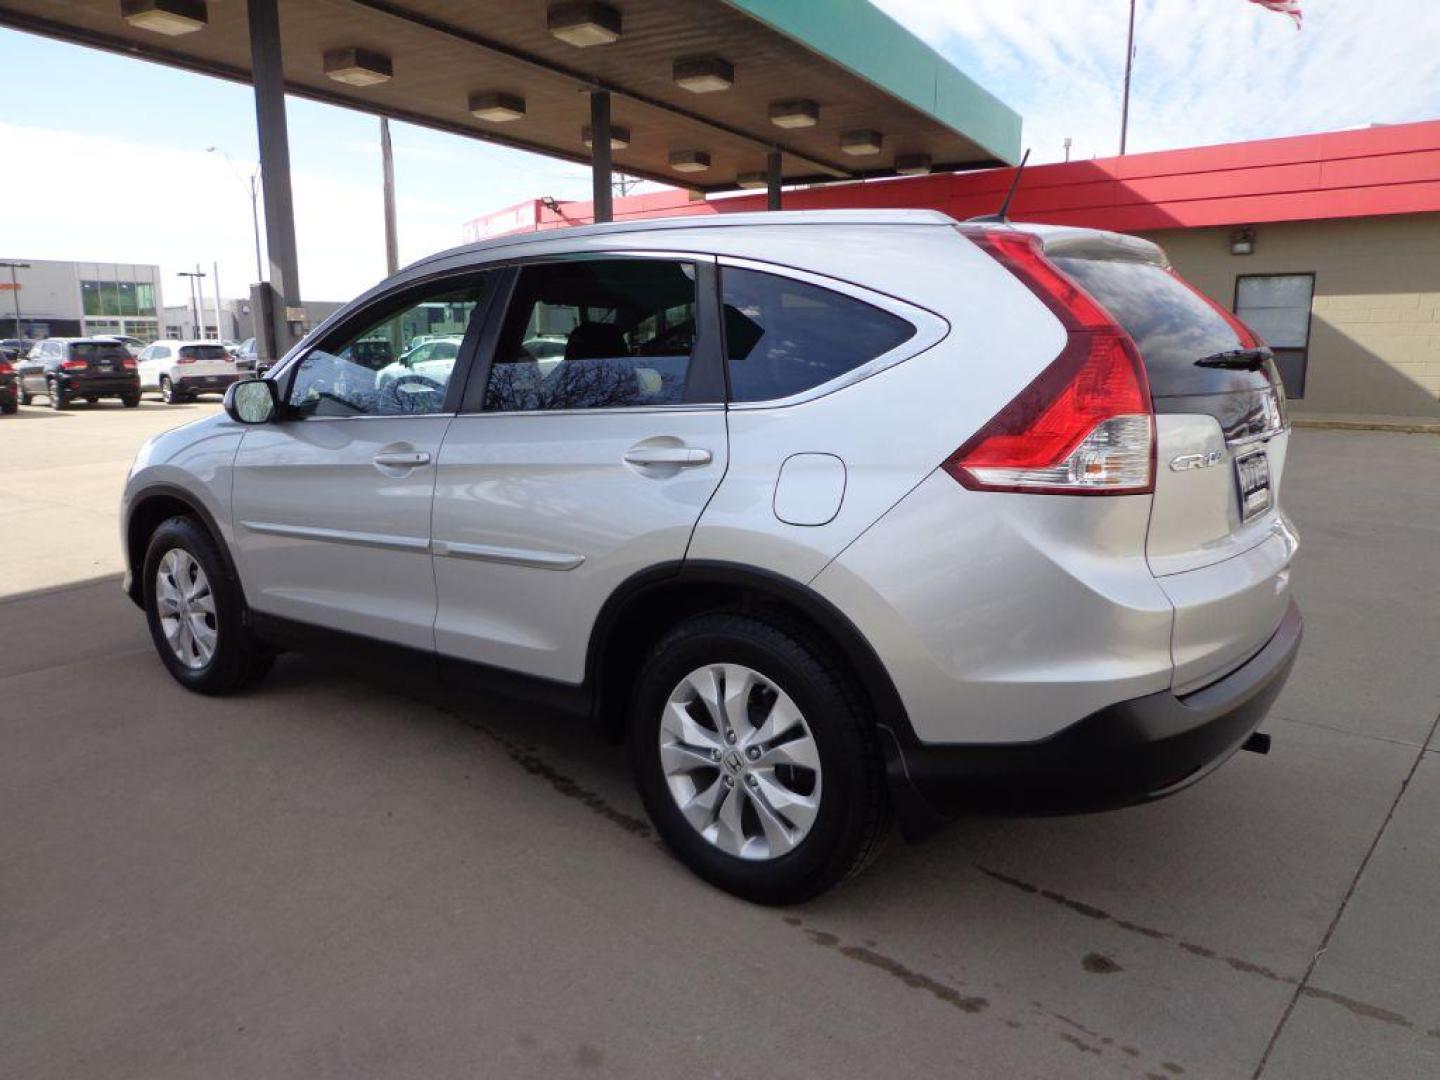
x=832, y=516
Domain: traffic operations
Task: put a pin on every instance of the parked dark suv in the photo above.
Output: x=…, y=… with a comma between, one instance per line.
x=68, y=368
x=8, y=399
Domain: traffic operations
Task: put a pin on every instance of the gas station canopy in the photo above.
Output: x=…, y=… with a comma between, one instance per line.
x=701, y=91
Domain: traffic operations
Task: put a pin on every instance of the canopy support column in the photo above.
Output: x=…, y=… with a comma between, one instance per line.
x=600, y=167
x=772, y=181
x=273, y=134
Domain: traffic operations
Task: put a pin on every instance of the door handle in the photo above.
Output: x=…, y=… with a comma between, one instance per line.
x=401, y=459
x=683, y=456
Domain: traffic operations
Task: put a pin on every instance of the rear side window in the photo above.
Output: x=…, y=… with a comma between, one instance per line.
x=204, y=352
x=783, y=337
x=1172, y=326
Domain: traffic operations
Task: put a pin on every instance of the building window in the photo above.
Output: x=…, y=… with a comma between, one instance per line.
x=112, y=298
x=1277, y=306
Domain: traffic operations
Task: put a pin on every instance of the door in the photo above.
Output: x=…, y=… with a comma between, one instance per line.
x=32, y=369
x=331, y=504
x=585, y=457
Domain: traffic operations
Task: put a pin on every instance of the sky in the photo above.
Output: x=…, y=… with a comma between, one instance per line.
x=107, y=161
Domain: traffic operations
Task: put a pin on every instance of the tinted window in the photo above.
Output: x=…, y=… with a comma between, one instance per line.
x=1172, y=326
x=204, y=352
x=374, y=372
x=99, y=350
x=595, y=334
x=784, y=336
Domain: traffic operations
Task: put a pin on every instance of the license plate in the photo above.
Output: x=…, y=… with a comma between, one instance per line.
x=212, y=379
x=1252, y=474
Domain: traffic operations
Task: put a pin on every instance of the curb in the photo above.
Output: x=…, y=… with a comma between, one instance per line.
x=1410, y=427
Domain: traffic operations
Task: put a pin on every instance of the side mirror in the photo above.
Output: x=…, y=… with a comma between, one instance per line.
x=251, y=401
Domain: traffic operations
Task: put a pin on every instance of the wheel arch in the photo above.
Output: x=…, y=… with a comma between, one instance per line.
x=151, y=506
x=648, y=604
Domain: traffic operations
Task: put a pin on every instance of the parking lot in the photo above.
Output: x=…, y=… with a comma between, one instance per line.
x=335, y=877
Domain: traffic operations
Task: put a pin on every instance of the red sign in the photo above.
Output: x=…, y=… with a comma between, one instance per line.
x=6, y=286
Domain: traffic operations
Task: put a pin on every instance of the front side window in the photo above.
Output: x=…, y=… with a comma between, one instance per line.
x=1277, y=307
x=399, y=365
x=783, y=336
x=595, y=334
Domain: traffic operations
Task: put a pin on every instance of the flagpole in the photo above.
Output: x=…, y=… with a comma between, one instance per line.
x=1129, y=65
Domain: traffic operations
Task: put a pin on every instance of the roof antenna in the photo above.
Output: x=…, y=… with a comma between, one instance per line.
x=1003, y=215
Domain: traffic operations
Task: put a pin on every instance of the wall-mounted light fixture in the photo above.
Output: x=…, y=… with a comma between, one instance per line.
x=619, y=137
x=1242, y=241
x=169, y=17
x=358, y=67
x=584, y=24
x=861, y=143
x=794, y=113
x=912, y=164
x=497, y=107
x=703, y=74
x=688, y=161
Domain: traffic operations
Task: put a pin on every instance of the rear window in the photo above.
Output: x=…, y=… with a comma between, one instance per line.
x=1172, y=326
x=99, y=350
x=783, y=336
x=204, y=352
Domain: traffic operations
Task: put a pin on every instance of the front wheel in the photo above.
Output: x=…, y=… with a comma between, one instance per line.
x=196, y=612
x=756, y=759
x=131, y=401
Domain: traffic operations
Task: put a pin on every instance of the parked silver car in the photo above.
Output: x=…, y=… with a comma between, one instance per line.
x=832, y=516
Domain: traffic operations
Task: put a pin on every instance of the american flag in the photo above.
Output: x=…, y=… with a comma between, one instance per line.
x=1285, y=7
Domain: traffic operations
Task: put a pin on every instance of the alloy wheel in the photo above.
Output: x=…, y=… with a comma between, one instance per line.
x=740, y=761
x=186, y=608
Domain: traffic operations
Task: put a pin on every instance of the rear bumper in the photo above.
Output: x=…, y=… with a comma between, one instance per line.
x=100, y=385
x=200, y=384
x=1131, y=752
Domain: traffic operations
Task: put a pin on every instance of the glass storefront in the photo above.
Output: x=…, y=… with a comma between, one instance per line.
x=118, y=298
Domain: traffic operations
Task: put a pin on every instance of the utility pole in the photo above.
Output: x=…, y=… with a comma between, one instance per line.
x=215, y=281
x=194, y=303
x=15, y=291
x=254, y=186
x=1129, y=67
x=387, y=161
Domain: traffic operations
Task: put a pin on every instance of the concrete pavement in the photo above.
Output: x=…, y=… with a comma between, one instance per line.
x=334, y=877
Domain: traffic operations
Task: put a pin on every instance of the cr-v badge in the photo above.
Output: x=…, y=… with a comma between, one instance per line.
x=1186, y=462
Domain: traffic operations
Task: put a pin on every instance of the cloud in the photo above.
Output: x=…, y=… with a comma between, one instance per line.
x=1206, y=71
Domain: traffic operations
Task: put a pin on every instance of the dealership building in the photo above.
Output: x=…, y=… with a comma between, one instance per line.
x=70, y=299
x=1328, y=245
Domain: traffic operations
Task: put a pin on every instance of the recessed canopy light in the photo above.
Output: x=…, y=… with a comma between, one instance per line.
x=358, y=67
x=689, y=160
x=497, y=107
x=704, y=74
x=796, y=113
x=753, y=179
x=619, y=137
x=584, y=24
x=912, y=164
x=861, y=143
x=169, y=17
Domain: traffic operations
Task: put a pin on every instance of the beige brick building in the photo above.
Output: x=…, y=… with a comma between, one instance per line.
x=1373, y=343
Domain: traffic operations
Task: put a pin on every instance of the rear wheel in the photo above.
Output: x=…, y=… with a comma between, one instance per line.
x=25, y=397
x=9, y=407
x=130, y=401
x=168, y=393
x=59, y=399
x=756, y=759
x=196, y=613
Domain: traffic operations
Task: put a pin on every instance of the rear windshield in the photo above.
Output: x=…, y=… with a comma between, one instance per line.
x=1172, y=326
x=99, y=350
x=204, y=352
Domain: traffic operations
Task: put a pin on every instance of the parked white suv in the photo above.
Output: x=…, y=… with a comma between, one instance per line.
x=180, y=370
x=831, y=515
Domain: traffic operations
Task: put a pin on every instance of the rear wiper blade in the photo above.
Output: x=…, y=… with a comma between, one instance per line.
x=1240, y=359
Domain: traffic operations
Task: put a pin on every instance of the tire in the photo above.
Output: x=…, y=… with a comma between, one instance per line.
x=130, y=401
x=168, y=393
x=58, y=398
x=10, y=408
x=25, y=396
x=853, y=812
x=237, y=658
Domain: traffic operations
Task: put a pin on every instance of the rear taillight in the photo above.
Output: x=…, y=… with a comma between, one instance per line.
x=185, y=358
x=5, y=368
x=73, y=365
x=1085, y=425
x=128, y=363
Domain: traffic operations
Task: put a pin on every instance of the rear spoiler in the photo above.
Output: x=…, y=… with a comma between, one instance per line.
x=1098, y=244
